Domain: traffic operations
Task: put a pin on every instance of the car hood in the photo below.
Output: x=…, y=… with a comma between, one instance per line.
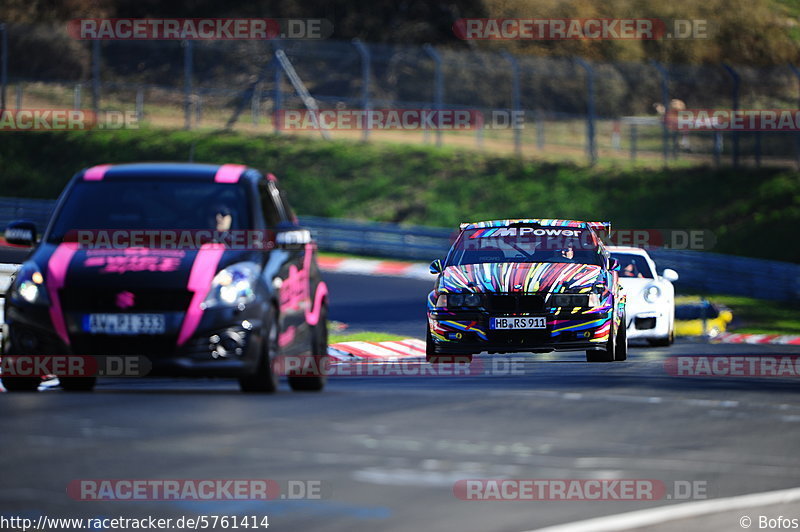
x=633, y=285
x=507, y=277
x=68, y=266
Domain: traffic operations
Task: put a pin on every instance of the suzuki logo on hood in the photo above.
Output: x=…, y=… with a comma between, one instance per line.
x=125, y=299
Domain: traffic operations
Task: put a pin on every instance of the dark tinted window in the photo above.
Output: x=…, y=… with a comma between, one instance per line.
x=631, y=265
x=526, y=244
x=269, y=203
x=695, y=312
x=150, y=205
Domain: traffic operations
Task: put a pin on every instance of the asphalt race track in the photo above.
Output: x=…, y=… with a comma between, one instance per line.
x=388, y=450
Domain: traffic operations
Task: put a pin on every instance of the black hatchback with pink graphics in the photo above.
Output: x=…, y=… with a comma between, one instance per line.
x=165, y=269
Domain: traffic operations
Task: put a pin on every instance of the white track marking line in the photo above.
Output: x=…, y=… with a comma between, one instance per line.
x=674, y=512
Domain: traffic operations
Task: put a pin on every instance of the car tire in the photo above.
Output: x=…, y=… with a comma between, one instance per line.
x=662, y=342
x=264, y=380
x=432, y=357
x=21, y=384
x=77, y=384
x=621, y=347
x=607, y=354
x=319, y=350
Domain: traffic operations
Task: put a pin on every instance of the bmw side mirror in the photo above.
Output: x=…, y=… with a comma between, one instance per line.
x=21, y=233
x=436, y=266
x=613, y=264
x=670, y=275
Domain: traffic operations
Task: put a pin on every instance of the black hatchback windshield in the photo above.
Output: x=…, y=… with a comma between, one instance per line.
x=526, y=244
x=151, y=205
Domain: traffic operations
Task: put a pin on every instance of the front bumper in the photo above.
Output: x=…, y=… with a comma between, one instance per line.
x=647, y=324
x=226, y=343
x=469, y=332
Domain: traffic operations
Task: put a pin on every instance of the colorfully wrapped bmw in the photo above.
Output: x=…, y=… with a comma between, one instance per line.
x=201, y=269
x=529, y=285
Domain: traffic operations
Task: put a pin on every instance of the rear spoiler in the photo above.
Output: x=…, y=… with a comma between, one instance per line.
x=603, y=228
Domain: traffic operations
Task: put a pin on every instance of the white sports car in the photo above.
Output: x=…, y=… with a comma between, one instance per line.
x=650, y=304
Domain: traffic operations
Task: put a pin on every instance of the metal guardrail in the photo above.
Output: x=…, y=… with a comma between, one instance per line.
x=709, y=272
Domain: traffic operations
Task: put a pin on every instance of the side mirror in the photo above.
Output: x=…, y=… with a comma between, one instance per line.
x=436, y=267
x=296, y=238
x=670, y=275
x=21, y=233
x=613, y=264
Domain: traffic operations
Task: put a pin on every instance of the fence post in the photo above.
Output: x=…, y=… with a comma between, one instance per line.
x=591, y=148
x=76, y=97
x=277, y=97
x=139, y=104
x=3, y=65
x=634, y=137
x=796, y=72
x=187, y=83
x=735, y=98
x=96, y=76
x=438, y=87
x=538, y=116
x=515, y=101
x=665, y=102
x=366, y=74
x=255, y=104
x=197, y=102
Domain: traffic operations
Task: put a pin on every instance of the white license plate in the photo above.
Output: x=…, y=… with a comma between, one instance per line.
x=124, y=323
x=518, y=323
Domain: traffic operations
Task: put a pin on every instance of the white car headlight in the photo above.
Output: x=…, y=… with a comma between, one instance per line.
x=29, y=285
x=652, y=293
x=234, y=285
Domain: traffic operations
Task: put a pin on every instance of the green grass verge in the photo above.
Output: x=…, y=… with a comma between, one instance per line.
x=335, y=338
x=752, y=212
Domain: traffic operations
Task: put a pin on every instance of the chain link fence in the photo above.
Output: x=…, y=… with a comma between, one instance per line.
x=568, y=108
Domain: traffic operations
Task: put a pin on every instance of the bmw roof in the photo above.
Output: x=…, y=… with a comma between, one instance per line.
x=548, y=222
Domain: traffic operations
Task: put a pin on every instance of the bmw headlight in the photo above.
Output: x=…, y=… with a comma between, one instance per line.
x=29, y=286
x=574, y=300
x=459, y=300
x=652, y=293
x=234, y=285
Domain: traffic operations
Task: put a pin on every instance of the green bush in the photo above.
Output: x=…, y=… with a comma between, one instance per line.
x=751, y=212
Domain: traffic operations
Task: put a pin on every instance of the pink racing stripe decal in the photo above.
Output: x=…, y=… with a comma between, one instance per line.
x=56, y=273
x=203, y=270
x=96, y=173
x=229, y=173
x=312, y=317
